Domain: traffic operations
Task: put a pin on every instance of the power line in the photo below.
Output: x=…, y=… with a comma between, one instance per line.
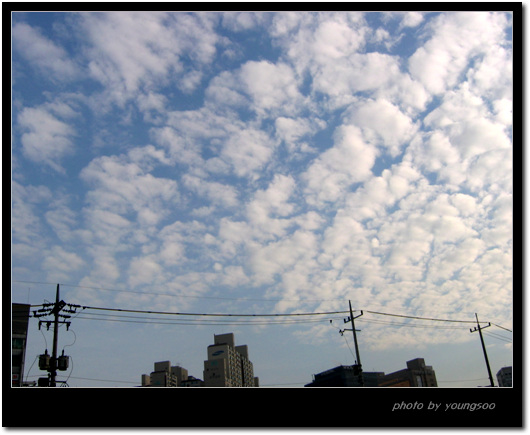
x=463, y=380
x=213, y=314
x=292, y=314
x=407, y=325
x=241, y=299
x=92, y=379
x=103, y=380
x=505, y=339
x=420, y=318
x=193, y=322
x=502, y=327
x=254, y=315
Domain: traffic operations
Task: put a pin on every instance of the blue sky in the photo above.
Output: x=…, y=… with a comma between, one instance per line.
x=258, y=163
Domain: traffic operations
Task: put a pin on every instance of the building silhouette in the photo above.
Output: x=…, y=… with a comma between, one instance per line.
x=345, y=376
x=192, y=382
x=504, y=377
x=228, y=365
x=19, y=331
x=417, y=374
x=166, y=375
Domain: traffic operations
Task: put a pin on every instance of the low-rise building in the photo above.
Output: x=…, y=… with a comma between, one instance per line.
x=417, y=374
x=504, y=377
x=192, y=382
x=345, y=376
x=165, y=375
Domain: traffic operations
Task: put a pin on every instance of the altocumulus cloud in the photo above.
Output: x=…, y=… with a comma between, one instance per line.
x=304, y=158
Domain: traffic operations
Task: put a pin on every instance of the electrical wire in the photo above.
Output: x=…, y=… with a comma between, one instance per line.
x=213, y=314
x=71, y=370
x=290, y=315
x=45, y=341
x=420, y=318
x=246, y=299
x=32, y=364
x=195, y=322
x=407, y=325
x=104, y=380
x=463, y=380
x=498, y=337
x=75, y=339
x=201, y=320
x=502, y=327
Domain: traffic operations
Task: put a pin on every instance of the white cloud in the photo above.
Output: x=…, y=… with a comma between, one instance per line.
x=144, y=270
x=319, y=38
x=233, y=236
x=270, y=89
x=105, y=268
x=336, y=38
x=45, y=139
x=274, y=200
x=179, y=149
x=43, y=53
x=271, y=86
x=62, y=219
x=349, y=161
x=293, y=130
x=382, y=123
x=60, y=264
x=217, y=193
x=122, y=187
x=234, y=276
x=275, y=258
x=241, y=21
x=267, y=216
x=346, y=246
x=357, y=73
x=465, y=141
x=453, y=257
x=133, y=50
x=412, y=19
x=27, y=226
x=456, y=39
x=225, y=90
x=248, y=151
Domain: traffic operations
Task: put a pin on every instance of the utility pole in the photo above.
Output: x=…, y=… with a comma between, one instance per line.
x=479, y=329
x=358, y=362
x=55, y=362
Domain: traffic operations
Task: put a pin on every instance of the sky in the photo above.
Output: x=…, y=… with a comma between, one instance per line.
x=252, y=163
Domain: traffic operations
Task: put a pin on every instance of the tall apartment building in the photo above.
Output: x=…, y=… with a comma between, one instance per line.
x=504, y=377
x=228, y=365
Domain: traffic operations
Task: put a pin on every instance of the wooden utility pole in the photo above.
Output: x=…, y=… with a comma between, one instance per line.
x=358, y=364
x=479, y=329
